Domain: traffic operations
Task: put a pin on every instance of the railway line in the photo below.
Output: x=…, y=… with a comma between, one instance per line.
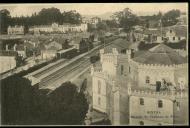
x=61, y=75
x=65, y=70
x=49, y=69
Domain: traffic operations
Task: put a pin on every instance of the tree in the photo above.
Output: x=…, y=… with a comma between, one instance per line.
x=5, y=20
x=66, y=105
x=102, y=26
x=126, y=19
x=46, y=16
x=65, y=45
x=19, y=60
x=170, y=18
x=17, y=99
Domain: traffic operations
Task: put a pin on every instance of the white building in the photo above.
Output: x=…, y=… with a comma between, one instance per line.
x=152, y=84
x=58, y=28
x=171, y=34
x=15, y=30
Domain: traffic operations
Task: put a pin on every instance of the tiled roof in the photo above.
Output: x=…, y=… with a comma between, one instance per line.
x=179, y=30
x=8, y=53
x=20, y=47
x=119, y=44
x=160, y=54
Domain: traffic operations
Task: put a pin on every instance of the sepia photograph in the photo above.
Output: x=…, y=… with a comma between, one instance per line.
x=94, y=64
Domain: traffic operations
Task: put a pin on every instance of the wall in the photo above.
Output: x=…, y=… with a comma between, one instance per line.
x=181, y=73
x=181, y=114
x=7, y=63
x=155, y=74
x=102, y=107
x=149, y=112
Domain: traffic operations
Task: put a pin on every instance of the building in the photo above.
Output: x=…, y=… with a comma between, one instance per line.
x=182, y=20
x=94, y=21
x=15, y=30
x=49, y=50
x=152, y=83
x=18, y=47
x=56, y=28
x=171, y=34
x=7, y=60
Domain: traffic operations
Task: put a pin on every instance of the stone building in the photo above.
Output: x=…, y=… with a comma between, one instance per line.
x=15, y=30
x=56, y=28
x=7, y=60
x=170, y=34
x=152, y=84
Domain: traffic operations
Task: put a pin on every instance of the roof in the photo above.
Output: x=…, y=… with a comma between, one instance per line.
x=119, y=44
x=178, y=29
x=178, y=45
x=20, y=47
x=154, y=32
x=8, y=53
x=65, y=50
x=160, y=54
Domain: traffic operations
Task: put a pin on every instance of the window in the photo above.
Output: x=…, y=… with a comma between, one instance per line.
x=178, y=105
x=179, y=38
x=99, y=87
x=141, y=123
x=141, y=101
x=174, y=38
x=160, y=104
x=170, y=31
x=121, y=69
x=129, y=69
x=99, y=101
x=162, y=38
x=147, y=79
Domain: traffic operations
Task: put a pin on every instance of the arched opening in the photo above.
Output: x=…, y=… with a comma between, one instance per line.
x=141, y=123
x=147, y=80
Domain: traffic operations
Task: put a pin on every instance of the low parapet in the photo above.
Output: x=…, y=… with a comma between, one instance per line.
x=160, y=66
x=161, y=94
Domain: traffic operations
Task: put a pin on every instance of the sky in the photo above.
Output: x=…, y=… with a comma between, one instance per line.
x=95, y=8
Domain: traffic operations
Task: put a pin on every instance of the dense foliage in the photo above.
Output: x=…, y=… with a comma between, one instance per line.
x=44, y=17
x=23, y=104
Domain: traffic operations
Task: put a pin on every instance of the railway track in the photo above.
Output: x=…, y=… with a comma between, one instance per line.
x=67, y=71
x=63, y=72
x=49, y=69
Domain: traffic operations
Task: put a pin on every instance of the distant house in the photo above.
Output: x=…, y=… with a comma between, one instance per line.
x=7, y=60
x=15, y=30
x=182, y=20
x=56, y=28
x=169, y=34
x=21, y=50
x=176, y=33
x=94, y=21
